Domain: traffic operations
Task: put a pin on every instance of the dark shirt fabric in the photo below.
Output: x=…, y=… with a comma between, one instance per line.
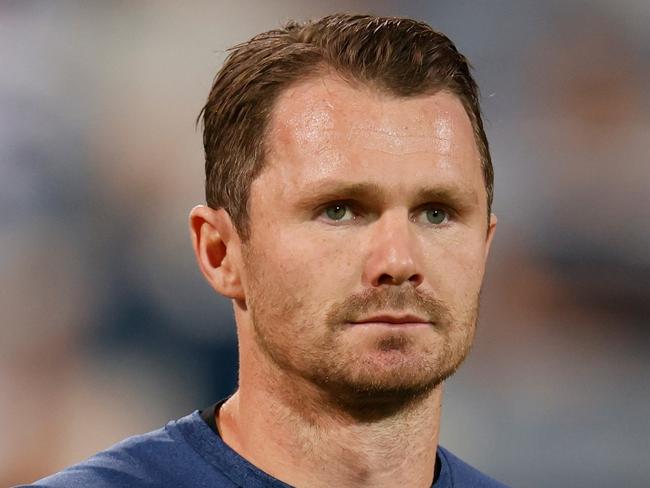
x=189, y=453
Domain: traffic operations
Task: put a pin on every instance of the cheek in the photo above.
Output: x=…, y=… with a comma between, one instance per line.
x=454, y=267
x=289, y=275
x=317, y=257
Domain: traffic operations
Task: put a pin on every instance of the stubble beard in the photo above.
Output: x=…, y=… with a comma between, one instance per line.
x=399, y=371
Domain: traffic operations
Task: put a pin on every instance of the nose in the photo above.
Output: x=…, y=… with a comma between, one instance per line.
x=392, y=257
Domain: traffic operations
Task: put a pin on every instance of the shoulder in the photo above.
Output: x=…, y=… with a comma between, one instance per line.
x=153, y=459
x=463, y=475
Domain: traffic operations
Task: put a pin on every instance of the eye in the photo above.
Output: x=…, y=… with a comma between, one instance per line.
x=434, y=216
x=338, y=212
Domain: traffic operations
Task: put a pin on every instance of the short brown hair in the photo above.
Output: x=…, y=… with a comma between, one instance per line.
x=402, y=57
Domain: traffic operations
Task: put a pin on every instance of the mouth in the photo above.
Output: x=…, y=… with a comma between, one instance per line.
x=390, y=320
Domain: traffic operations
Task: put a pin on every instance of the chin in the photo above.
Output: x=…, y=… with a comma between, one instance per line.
x=388, y=377
x=402, y=362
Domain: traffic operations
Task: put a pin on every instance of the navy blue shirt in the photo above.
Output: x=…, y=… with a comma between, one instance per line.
x=188, y=453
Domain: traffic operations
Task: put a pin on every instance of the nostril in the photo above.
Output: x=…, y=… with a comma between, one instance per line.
x=416, y=279
x=387, y=279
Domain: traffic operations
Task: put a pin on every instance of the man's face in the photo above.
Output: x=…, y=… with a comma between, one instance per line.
x=368, y=239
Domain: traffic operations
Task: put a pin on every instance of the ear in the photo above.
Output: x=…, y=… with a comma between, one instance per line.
x=492, y=226
x=218, y=249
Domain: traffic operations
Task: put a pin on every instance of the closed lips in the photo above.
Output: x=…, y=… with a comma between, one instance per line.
x=393, y=319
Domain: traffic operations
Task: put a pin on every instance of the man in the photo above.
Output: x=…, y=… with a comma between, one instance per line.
x=349, y=191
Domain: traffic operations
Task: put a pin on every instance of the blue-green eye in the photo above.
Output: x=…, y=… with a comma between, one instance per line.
x=338, y=212
x=436, y=216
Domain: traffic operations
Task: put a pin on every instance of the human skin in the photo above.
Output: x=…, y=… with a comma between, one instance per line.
x=340, y=233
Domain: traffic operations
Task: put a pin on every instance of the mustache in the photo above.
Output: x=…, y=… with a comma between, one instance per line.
x=398, y=300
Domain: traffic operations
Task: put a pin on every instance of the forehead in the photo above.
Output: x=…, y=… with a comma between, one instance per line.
x=326, y=126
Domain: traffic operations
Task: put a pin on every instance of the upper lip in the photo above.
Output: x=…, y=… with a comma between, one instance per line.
x=393, y=319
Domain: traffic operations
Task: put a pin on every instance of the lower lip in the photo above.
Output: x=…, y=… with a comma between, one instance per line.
x=392, y=325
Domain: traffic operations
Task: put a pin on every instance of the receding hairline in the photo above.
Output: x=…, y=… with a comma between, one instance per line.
x=326, y=71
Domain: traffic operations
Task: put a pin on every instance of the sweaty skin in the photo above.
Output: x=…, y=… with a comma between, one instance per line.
x=370, y=208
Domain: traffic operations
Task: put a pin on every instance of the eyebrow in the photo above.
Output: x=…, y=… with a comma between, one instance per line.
x=328, y=191
x=448, y=193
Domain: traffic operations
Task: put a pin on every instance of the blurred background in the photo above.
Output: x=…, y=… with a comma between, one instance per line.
x=107, y=328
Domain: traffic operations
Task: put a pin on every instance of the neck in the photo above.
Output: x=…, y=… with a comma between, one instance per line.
x=310, y=438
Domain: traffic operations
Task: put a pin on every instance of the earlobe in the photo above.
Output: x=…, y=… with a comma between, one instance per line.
x=217, y=249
